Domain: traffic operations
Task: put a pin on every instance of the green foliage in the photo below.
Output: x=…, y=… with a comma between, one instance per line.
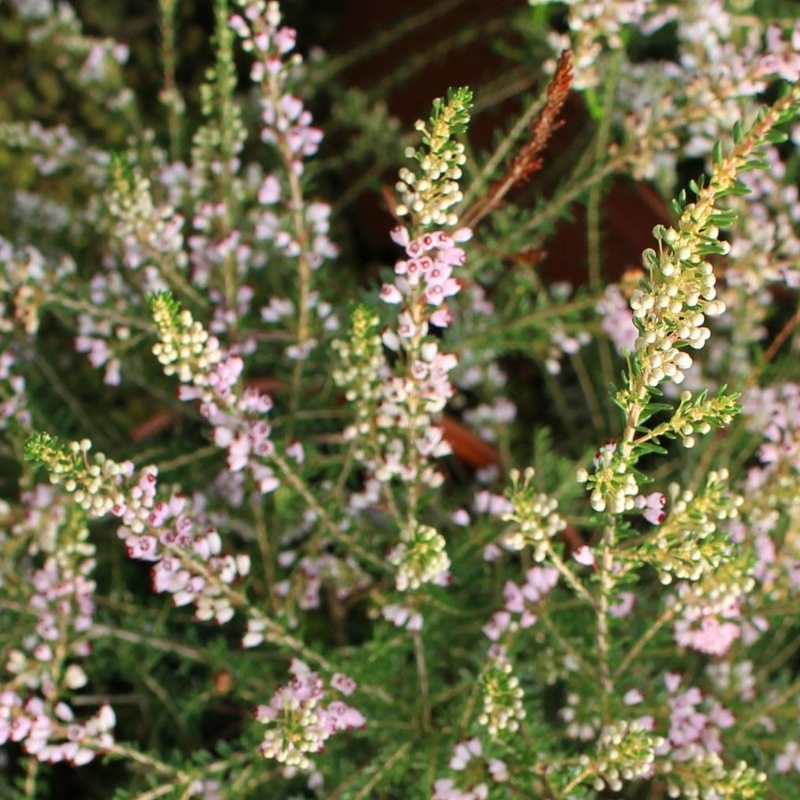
x=436, y=496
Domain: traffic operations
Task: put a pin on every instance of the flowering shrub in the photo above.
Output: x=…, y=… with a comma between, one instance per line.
x=276, y=527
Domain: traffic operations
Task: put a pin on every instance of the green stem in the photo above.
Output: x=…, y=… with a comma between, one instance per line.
x=589, y=393
x=422, y=677
x=299, y=485
x=148, y=640
x=593, y=208
x=607, y=584
x=568, y=576
x=267, y=557
x=634, y=652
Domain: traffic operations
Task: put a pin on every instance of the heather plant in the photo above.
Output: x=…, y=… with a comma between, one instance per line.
x=274, y=525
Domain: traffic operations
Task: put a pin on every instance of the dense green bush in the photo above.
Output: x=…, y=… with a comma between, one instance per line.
x=506, y=520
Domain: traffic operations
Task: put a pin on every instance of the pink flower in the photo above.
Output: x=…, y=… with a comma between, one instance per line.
x=143, y=548
x=498, y=770
x=391, y=294
x=441, y=318
x=464, y=752
x=341, y=717
x=653, y=507
x=789, y=759
x=498, y=623
x=270, y=191
x=343, y=683
x=712, y=637
x=513, y=598
x=623, y=607
x=540, y=580
x=400, y=235
x=617, y=319
x=583, y=555
x=632, y=697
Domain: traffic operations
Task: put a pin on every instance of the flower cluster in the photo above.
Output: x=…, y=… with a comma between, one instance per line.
x=469, y=761
x=287, y=124
x=708, y=776
x=535, y=516
x=674, y=311
x=707, y=629
x=696, y=415
x=428, y=195
x=53, y=735
x=423, y=282
x=726, y=58
x=187, y=556
x=297, y=228
x=420, y=557
x=185, y=349
x=297, y=721
x=502, y=695
x=396, y=435
x=13, y=397
x=774, y=412
x=63, y=601
x=149, y=234
x=26, y=283
x=670, y=309
x=46, y=664
x=361, y=371
x=690, y=543
x=694, y=723
x=598, y=26
x=672, y=305
x=692, y=750
x=712, y=610
x=425, y=279
x=189, y=562
x=97, y=487
x=612, y=487
x=410, y=400
x=625, y=752
x=518, y=599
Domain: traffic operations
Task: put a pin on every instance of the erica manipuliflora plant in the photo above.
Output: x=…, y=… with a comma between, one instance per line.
x=404, y=437
x=498, y=507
